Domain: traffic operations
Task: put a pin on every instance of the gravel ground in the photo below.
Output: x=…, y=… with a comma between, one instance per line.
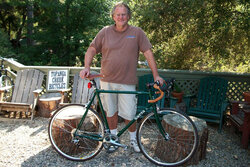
x=25, y=143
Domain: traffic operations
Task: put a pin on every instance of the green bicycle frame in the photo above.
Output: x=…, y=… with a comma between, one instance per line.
x=98, y=92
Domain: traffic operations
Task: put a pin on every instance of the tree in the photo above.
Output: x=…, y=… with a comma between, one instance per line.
x=30, y=17
x=186, y=34
x=53, y=32
x=196, y=35
x=5, y=45
x=12, y=19
x=63, y=31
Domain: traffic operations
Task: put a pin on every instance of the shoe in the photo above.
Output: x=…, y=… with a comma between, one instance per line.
x=134, y=144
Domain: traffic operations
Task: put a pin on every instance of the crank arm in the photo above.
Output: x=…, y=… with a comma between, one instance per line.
x=119, y=145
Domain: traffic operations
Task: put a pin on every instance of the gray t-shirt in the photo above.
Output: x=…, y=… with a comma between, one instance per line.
x=120, y=52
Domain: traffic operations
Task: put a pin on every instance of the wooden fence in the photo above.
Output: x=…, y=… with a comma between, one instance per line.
x=187, y=80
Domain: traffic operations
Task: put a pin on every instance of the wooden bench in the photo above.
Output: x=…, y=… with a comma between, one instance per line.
x=240, y=118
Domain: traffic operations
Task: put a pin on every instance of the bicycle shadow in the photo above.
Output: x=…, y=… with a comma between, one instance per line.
x=47, y=157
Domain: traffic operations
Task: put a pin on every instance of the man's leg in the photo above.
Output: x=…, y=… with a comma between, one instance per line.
x=113, y=121
x=109, y=102
x=127, y=110
x=132, y=128
x=132, y=133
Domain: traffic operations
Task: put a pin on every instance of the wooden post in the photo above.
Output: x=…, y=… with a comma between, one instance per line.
x=176, y=129
x=47, y=103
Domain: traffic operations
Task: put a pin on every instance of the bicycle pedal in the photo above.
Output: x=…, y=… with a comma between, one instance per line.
x=111, y=149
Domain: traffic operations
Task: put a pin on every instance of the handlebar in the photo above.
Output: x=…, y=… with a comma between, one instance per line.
x=93, y=76
x=165, y=88
x=159, y=92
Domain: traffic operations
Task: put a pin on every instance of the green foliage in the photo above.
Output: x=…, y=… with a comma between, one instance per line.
x=5, y=45
x=196, y=35
x=12, y=19
x=177, y=89
x=62, y=29
x=209, y=35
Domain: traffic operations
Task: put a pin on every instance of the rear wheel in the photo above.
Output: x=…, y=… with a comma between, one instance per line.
x=172, y=148
x=73, y=142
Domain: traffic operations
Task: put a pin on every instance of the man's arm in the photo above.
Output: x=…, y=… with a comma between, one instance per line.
x=91, y=52
x=151, y=62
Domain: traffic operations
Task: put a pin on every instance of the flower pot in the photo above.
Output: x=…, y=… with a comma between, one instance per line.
x=246, y=96
x=178, y=95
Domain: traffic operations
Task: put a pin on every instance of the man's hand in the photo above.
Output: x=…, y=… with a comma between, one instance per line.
x=91, y=52
x=160, y=79
x=84, y=73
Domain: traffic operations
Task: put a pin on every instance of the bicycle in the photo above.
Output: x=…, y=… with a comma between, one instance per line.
x=6, y=81
x=78, y=132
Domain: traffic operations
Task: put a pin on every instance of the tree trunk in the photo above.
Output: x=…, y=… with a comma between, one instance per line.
x=47, y=103
x=30, y=17
x=64, y=128
x=179, y=150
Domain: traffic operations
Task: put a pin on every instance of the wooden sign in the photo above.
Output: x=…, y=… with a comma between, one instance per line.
x=57, y=80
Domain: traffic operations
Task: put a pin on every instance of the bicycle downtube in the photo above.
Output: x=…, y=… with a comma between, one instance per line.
x=102, y=111
x=86, y=112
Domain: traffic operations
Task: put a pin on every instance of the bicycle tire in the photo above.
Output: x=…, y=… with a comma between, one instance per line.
x=177, y=150
x=63, y=125
x=6, y=81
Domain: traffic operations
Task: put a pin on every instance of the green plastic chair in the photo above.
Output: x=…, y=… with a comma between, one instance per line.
x=142, y=99
x=211, y=100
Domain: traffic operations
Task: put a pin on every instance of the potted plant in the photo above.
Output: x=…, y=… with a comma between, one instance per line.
x=177, y=93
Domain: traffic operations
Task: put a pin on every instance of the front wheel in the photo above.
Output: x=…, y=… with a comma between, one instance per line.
x=74, y=142
x=178, y=143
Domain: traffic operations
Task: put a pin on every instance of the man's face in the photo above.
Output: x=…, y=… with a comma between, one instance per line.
x=121, y=16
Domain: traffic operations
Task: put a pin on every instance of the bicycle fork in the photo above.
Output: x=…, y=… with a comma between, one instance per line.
x=161, y=129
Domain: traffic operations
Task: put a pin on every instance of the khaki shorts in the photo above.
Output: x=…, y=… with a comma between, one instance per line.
x=124, y=104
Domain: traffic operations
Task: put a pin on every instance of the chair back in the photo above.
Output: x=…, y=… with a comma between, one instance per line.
x=81, y=94
x=26, y=82
x=212, y=92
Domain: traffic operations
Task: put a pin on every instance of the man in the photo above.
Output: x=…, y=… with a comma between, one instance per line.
x=120, y=45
